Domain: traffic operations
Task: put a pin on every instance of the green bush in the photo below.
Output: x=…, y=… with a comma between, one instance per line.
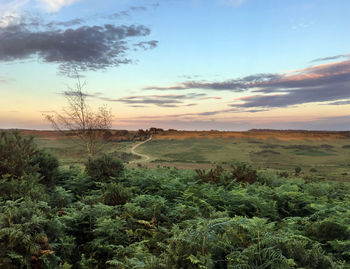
x=284, y=174
x=297, y=170
x=16, y=153
x=26, y=235
x=75, y=180
x=115, y=194
x=329, y=230
x=47, y=167
x=19, y=156
x=25, y=186
x=104, y=168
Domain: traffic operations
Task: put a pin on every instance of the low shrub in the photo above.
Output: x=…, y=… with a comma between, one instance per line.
x=329, y=230
x=115, y=194
x=297, y=170
x=104, y=168
x=47, y=166
x=19, y=156
x=15, y=154
x=283, y=174
x=243, y=172
x=213, y=175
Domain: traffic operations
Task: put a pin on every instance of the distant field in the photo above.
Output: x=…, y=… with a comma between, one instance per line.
x=320, y=154
x=70, y=151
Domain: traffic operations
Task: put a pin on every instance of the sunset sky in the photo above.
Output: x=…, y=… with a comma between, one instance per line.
x=184, y=64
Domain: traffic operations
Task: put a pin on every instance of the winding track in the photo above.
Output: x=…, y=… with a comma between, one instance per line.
x=144, y=156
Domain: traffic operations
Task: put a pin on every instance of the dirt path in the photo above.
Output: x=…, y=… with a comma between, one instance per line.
x=144, y=156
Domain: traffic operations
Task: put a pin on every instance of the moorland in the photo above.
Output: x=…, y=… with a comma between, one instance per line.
x=319, y=154
x=114, y=211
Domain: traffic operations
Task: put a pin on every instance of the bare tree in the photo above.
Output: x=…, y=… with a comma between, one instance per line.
x=79, y=120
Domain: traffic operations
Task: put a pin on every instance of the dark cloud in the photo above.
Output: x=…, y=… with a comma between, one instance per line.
x=35, y=21
x=181, y=87
x=320, y=83
x=69, y=23
x=212, y=113
x=138, y=8
x=330, y=58
x=189, y=76
x=235, y=85
x=82, y=48
x=146, y=45
x=215, y=112
x=126, y=13
x=118, y=15
x=154, y=100
x=211, y=98
x=168, y=100
x=137, y=106
x=229, y=110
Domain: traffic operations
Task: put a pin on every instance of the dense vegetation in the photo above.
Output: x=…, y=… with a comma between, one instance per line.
x=106, y=216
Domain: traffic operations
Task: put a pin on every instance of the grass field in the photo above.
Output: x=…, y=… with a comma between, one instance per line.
x=70, y=151
x=319, y=154
x=329, y=158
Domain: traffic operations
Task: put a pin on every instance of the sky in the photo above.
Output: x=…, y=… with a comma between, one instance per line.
x=183, y=64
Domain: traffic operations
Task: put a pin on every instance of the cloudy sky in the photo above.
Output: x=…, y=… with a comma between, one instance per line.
x=184, y=64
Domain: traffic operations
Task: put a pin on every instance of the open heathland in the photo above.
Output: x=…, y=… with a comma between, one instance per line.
x=107, y=216
x=325, y=155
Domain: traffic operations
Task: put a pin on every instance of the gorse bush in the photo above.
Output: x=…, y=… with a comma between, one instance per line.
x=213, y=175
x=104, y=168
x=168, y=218
x=243, y=172
x=284, y=174
x=297, y=170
